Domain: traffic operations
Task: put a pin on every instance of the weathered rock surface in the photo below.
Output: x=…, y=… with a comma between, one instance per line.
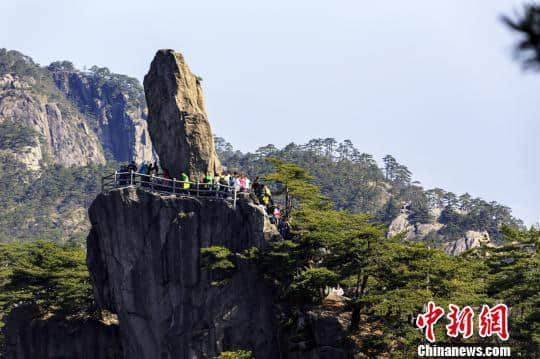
x=400, y=224
x=81, y=117
x=61, y=133
x=27, y=337
x=471, y=239
x=144, y=259
x=450, y=245
x=177, y=118
x=117, y=106
x=414, y=231
x=318, y=333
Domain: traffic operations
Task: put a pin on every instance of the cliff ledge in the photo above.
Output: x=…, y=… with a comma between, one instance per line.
x=144, y=259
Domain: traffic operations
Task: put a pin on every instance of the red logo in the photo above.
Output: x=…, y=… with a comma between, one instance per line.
x=429, y=319
x=494, y=321
x=460, y=321
x=490, y=321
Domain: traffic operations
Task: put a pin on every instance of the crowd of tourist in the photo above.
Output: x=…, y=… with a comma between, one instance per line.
x=220, y=185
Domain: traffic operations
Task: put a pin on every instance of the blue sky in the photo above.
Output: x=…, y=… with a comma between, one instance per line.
x=431, y=82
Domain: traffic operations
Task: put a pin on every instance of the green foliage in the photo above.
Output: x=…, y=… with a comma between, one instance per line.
x=48, y=204
x=311, y=284
x=14, y=136
x=396, y=173
x=296, y=182
x=409, y=275
x=237, y=354
x=476, y=214
x=350, y=178
x=279, y=262
x=16, y=63
x=47, y=275
x=514, y=278
x=387, y=280
x=419, y=213
x=61, y=66
x=353, y=181
x=216, y=258
x=218, y=261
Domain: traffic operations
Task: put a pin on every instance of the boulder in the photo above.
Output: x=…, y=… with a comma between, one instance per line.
x=177, y=120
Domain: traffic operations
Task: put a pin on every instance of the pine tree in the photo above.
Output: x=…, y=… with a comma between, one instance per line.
x=45, y=274
x=514, y=279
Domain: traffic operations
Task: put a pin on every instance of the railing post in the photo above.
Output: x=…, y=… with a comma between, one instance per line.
x=234, y=198
x=152, y=181
x=115, y=180
x=173, y=182
x=101, y=183
x=131, y=178
x=197, y=188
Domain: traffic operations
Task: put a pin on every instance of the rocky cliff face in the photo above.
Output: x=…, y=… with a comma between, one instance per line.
x=177, y=118
x=61, y=133
x=30, y=337
x=116, y=106
x=144, y=259
x=80, y=117
x=470, y=240
x=422, y=231
x=413, y=231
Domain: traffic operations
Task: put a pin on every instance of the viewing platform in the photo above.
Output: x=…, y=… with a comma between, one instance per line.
x=172, y=186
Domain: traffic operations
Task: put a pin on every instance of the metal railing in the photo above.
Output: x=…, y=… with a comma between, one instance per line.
x=170, y=186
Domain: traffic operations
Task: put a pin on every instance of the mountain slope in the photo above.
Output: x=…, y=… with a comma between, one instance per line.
x=114, y=106
x=29, y=99
x=354, y=182
x=52, y=148
x=80, y=117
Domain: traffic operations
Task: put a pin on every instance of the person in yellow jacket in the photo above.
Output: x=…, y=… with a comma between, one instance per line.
x=185, y=181
x=266, y=196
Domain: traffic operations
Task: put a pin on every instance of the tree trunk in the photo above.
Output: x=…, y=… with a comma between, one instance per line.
x=355, y=318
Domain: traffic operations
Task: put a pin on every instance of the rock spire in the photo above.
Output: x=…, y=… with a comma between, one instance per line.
x=177, y=120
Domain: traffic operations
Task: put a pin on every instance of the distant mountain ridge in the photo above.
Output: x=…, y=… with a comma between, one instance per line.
x=354, y=182
x=80, y=117
x=29, y=99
